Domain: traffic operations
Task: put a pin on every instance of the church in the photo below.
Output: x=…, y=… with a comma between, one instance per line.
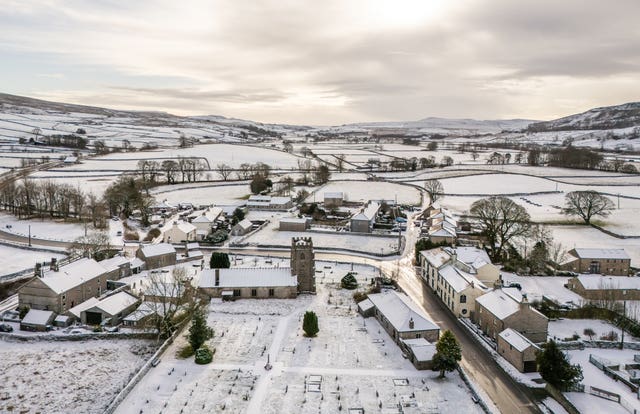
x=264, y=283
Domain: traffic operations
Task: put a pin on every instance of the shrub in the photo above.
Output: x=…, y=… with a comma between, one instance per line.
x=185, y=352
x=359, y=296
x=23, y=311
x=131, y=235
x=153, y=233
x=310, y=324
x=610, y=336
x=203, y=355
x=589, y=332
x=349, y=281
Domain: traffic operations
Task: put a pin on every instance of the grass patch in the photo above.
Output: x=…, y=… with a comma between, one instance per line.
x=185, y=352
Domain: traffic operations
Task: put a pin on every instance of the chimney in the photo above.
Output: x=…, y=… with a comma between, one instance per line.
x=217, y=271
x=38, y=270
x=411, y=323
x=186, y=248
x=525, y=302
x=54, y=264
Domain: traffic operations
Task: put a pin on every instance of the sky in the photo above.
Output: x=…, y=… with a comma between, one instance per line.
x=325, y=62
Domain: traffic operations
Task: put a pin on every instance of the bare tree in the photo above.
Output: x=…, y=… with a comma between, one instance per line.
x=501, y=221
x=587, y=204
x=170, y=169
x=435, y=189
x=340, y=159
x=91, y=245
x=224, y=170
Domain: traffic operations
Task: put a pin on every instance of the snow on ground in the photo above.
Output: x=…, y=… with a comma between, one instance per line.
x=550, y=286
x=566, y=328
x=596, y=378
x=41, y=229
x=271, y=236
x=202, y=194
x=553, y=406
x=362, y=191
x=355, y=359
x=589, y=237
x=60, y=377
x=13, y=259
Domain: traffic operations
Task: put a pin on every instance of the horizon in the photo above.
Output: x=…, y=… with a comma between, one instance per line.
x=326, y=64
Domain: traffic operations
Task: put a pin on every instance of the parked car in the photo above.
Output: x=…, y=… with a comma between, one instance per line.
x=6, y=327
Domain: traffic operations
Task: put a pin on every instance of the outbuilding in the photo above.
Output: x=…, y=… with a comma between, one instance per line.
x=37, y=320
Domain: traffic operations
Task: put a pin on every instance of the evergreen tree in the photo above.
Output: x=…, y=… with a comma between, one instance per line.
x=448, y=353
x=349, y=281
x=555, y=368
x=199, y=332
x=219, y=260
x=310, y=324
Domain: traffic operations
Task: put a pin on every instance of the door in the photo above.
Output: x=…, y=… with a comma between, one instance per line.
x=594, y=267
x=93, y=318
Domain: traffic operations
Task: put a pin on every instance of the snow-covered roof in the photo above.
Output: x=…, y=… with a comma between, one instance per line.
x=259, y=198
x=597, y=282
x=601, y=253
x=337, y=194
x=516, y=339
x=145, y=309
x=206, y=216
x=37, y=317
x=248, y=277
x=368, y=213
x=436, y=257
x=137, y=262
x=72, y=275
x=459, y=279
x=399, y=309
x=280, y=201
x=183, y=226
x=294, y=220
x=421, y=349
x=157, y=249
x=471, y=256
x=114, y=263
x=245, y=224
x=70, y=159
x=78, y=309
x=499, y=303
x=365, y=305
x=61, y=319
x=439, y=231
x=115, y=304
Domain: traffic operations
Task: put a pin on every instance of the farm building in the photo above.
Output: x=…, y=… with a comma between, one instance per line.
x=363, y=221
x=242, y=228
x=614, y=262
x=205, y=221
x=294, y=224
x=117, y=267
x=37, y=320
x=420, y=352
x=249, y=283
x=598, y=287
x=458, y=276
x=518, y=350
x=179, y=232
x=260, y=202
x=110, y=309
x=507, y=308
x=144, y=316
x=62, y=287
x=333, y=199
x=157, y=255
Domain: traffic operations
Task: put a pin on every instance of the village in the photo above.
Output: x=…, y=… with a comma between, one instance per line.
x=395, y=258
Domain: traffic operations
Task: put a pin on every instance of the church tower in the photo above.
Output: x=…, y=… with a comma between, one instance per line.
x=303, y=264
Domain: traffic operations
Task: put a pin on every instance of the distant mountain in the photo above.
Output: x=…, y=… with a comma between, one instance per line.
x=450, y=125
x=607, y=117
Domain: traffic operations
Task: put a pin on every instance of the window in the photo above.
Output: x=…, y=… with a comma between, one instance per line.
x=463, y=298
x=418, y=336
x=236, y=292
x=272, y=292
x=464, y=311
x=254, y=292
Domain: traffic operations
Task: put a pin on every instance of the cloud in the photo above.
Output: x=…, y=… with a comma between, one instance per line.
x=335, y=61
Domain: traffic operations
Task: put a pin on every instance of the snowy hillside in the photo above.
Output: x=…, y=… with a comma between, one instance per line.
x=608, y=117
x=446, y=125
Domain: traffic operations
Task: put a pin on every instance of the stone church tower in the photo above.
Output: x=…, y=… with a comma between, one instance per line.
x=303, y=264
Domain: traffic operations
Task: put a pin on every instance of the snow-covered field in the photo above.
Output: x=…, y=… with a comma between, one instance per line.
x=362, y=191
x=596, y=378
x=66, y=376
x=271, y=236
x=13, y=259
x=566, y=328
x=202, y=194
x=537, y=286
x=41, y=229
x=355, y=359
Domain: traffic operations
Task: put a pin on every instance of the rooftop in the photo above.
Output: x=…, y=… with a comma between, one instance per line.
x=516, y=339
x=115, y=304
x=72, y=275
x=248, y=277
x=601, y=253
x=399, y=309
x=157, y=249
x=499, y=303
x=596, y=282
x=78, y=309
x=37, y=317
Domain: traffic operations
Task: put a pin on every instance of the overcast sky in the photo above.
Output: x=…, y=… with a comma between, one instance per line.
x=326, y=61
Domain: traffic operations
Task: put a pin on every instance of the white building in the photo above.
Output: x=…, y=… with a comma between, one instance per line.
x=179, y=232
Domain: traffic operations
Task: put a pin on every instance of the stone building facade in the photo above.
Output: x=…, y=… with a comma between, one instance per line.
x=303, y=264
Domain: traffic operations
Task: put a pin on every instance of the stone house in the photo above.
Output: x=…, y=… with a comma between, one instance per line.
x=157, y=255
x=294, y=224
x=116, y=267
x=507, y=308
x=605, y=288
x=37, y=320
x=205, y=221
x=264, y=202
x=333, y=199
x=518, y=350
x=458, y=275
x=243, y=227
x=179, y=232
x=249, y=283
x=112, y=309
x=363, y=221
x=614, y=262
x=62, y=287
